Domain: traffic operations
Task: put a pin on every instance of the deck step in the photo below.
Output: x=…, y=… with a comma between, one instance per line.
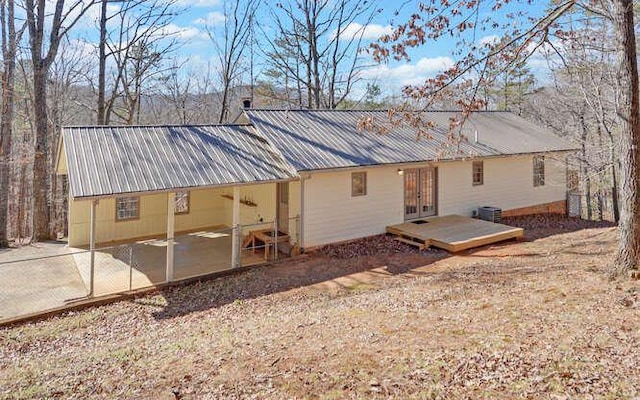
x=419, y=245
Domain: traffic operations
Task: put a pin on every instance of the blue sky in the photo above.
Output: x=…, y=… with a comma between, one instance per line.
x=197, y=49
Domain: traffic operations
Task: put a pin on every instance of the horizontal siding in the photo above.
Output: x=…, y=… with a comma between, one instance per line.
x=508, y=184
x=332, y=215
x=206, y=208
x=262, y=195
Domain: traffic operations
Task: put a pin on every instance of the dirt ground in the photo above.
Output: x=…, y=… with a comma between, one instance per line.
x=371, y=319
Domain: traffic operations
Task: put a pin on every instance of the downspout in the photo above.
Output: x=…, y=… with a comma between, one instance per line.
x=301, y=222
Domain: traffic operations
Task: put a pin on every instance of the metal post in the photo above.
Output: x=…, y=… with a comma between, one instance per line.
x=235, y=237
x=92, y=248
x=298, y=230
x=275, y=238
x=171, y=206
x=130, y=268
x=301, y=216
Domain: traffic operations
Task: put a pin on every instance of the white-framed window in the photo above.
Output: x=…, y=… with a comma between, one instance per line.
x=182, y=202
x=127, y=208
x=538, y=171
x=358, y=184
x=477, y=171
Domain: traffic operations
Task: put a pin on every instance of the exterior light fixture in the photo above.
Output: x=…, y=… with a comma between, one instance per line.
x=400, y=171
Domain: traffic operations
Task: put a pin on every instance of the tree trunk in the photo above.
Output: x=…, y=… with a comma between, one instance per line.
x=614, y=193
x=629, y=142
x=41, y=181
x=584, y=169
x=10, y=41
x=102, y=65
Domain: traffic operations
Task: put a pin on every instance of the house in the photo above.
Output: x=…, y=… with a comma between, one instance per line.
x=311, y=172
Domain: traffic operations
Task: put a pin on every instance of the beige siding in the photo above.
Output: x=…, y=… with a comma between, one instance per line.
x=206, y=208
x=331, y=214
x=508, y=184
x=264, y=196
x=153, y=220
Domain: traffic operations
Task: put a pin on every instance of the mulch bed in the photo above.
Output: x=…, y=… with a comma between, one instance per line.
x=370, y=246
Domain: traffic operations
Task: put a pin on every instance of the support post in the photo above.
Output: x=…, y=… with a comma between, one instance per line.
x=171, y=207
x=92, y=247
x=236, y=234
x=275, y=238
x=301, y=215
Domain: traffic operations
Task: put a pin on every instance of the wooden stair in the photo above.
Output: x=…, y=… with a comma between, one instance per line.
x=420, y=245
x=452, y=232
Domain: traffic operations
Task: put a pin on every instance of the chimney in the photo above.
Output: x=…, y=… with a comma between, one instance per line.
x=246, y=103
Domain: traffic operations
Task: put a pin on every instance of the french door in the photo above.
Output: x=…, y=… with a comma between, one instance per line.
x=420, y=192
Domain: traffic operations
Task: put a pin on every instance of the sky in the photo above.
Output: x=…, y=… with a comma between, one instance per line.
x=190, y=26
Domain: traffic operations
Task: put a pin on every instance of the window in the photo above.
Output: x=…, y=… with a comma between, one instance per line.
x=538, y=171
x=358, y=184
x=478, y=173
x=182, y=202
x=127, y=208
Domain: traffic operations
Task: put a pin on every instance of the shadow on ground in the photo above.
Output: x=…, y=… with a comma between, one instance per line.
x=304, y=271
x=341, y=265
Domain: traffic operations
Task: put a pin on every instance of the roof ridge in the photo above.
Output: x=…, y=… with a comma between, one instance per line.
x=154, y=126
x=376, y=110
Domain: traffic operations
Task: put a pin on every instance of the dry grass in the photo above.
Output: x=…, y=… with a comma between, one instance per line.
x=535, y=319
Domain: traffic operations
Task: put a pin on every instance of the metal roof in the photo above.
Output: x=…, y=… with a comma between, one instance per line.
x=325, y=139
x=507, y=132
x=104, y=161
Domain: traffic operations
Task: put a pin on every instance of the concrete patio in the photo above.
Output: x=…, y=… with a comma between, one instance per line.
x=44, y=276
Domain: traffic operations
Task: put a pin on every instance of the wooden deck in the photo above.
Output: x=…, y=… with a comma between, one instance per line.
x=453, y=232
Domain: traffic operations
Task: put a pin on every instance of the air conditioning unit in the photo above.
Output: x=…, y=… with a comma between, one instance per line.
x=491, y=214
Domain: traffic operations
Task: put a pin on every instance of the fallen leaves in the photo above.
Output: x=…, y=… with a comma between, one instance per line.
x=506, y=321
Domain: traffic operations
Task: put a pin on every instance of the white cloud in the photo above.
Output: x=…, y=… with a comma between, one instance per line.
x=212, y=19
x=199, y=3
x=408, y=73
x=369, y=32
x=184, y=33
x=490, y=39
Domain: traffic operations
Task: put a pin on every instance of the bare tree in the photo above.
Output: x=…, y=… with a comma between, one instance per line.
x=436, y=18
x=231, y=43
x=186, y=95
x=136, y=48
x=628, y=255
x=43, y=52
x=317, y=47
x=582, y=102
x=67, y=77
x=10, y=39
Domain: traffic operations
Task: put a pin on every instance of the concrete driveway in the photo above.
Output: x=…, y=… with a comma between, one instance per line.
x=38, y=277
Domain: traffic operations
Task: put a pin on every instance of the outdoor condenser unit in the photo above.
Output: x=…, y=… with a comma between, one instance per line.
x=492, y=214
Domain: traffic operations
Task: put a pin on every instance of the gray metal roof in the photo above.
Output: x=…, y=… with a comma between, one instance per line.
x=104, y=161
x=322, y=139
x=507, y=132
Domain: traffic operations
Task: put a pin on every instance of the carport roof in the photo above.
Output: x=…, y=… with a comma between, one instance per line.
x=105, y=161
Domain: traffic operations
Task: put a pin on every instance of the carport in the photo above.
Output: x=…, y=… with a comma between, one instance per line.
x=182, y=197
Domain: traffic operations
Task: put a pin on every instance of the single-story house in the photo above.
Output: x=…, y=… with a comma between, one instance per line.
x=313, y=172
